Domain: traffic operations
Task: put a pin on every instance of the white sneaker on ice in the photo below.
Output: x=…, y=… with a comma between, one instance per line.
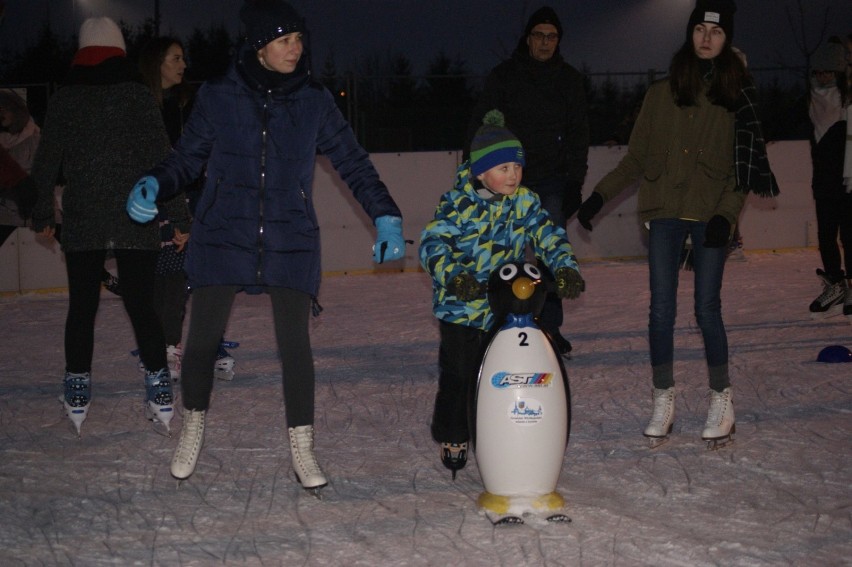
x=660, y=426
x=720, y=424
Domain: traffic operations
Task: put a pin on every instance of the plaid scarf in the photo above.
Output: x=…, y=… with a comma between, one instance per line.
x=751, y=162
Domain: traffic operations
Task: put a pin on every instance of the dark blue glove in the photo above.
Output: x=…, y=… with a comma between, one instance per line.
x=141, y=204
x=390, y=245
x=718, y=232
x=589, y=209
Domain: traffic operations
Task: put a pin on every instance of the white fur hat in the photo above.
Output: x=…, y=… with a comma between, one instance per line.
x=101, y=32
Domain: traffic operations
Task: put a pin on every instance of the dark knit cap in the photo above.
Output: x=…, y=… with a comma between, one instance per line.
x=544, y=15
x=719, y=12
x=266, y=20
x=494, y=144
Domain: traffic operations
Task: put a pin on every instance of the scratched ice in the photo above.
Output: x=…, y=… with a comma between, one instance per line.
x=780, y=495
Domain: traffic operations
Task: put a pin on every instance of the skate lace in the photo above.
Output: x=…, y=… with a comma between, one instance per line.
x=190, y=437
x=662, y=408
x=77, y=389
x=304, y=441
x=158, y=387
x=831, y=292
x=718, y=405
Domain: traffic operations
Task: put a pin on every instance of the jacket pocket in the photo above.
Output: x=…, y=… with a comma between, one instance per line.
x=655, y=167
x=715, y=167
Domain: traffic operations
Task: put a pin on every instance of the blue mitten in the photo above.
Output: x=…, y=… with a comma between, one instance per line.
x=141, y=204
x=390, y=245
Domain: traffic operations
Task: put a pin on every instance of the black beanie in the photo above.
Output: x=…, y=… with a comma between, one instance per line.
x=266, y=20
x=719, y=12
x=544, y=15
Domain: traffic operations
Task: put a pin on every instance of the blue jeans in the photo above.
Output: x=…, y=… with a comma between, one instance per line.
x=665, y=246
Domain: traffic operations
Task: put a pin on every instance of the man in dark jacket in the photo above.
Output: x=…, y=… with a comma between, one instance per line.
x=543, y=99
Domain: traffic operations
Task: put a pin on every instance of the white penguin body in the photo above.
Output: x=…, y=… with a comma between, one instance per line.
x=522, y=405
x=521, y=414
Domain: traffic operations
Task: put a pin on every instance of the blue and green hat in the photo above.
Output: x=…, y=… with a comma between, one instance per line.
x=494, y=144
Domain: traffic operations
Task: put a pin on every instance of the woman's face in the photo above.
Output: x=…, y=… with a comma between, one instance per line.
x=282, y=54
x=172, y=67
x=708, y=40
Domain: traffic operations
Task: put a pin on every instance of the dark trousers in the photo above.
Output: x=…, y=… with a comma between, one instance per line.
x=835, y=216
x=459, y=358
x=136, y=272
x=210, y=309
x=170, y=296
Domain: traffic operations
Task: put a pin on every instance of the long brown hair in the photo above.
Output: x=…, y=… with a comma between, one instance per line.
x=687, y=77
x=151, y=58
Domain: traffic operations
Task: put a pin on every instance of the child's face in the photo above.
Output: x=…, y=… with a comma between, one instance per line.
x=504, y=178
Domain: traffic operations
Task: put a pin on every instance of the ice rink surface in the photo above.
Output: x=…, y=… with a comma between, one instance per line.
x=781, y=494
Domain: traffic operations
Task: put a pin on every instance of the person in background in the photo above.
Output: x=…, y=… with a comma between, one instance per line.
x=258, y=130
x=697, y=150
x=19, y=137
x=486, y=220
x=828, y=105
x=101, y=131
x=162, y=65
x=543, y=99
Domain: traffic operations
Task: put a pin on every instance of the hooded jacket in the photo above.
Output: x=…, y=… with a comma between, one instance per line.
x=470, y=233
x=259, y=132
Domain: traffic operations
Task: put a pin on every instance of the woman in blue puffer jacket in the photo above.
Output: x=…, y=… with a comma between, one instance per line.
x=258, y=130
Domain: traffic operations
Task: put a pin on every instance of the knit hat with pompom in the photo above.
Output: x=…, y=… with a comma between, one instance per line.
x=494, y=144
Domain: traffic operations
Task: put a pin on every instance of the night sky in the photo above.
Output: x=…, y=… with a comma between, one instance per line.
x=604, y=35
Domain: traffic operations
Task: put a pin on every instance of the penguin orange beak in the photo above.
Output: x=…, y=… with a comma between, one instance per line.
x=523, y=288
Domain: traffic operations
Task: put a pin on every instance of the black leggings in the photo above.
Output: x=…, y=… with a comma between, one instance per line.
x=136, y=272
x=835, y=216
x=209, y=312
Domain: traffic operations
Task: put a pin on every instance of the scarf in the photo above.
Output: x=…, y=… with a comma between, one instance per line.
x=750, y=159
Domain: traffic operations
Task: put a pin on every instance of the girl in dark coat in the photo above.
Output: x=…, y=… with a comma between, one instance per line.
x=258, y=130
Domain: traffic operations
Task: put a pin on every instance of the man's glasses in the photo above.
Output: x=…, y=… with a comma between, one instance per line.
x=541, y=36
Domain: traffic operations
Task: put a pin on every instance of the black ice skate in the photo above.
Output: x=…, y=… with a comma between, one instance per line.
x=454, y=456
x=831, y=301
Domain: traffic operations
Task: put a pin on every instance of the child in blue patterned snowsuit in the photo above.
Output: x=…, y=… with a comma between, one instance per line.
x=487, y=219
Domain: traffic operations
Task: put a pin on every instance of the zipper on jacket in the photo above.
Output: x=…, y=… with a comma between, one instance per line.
x=264, y=135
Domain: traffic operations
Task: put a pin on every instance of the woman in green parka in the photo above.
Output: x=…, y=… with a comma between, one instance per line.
x=697, y=150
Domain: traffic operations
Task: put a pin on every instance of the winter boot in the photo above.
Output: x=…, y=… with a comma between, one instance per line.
x=158, y=397
x=830, y=301
x=720, y=424
x=224, y=368
x=189, y=445
x=658, y=429
x=174, y=353
x=78, y=395
x=304, y=461
x=454, y=456
x=110, y=282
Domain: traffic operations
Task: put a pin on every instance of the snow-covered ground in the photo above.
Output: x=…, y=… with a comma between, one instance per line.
x=781, y=494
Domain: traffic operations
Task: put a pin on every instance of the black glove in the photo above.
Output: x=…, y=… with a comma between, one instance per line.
x=569, y=283
x=465, y=286
x=589, y=209
x=718, y=232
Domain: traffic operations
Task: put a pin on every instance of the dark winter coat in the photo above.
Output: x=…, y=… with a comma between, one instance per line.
x=827, y=157
x=259, y=132
x=101, y=132
x=544, y=104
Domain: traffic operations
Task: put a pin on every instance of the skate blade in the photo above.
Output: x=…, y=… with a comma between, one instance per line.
x=559, y=519
x=504, y=519
x=77, y=415
x=160, y=417
x=654, y=442
x=833, y=311
x=720, y=443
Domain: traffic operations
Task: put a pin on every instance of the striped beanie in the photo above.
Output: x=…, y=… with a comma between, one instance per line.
x=493, y=144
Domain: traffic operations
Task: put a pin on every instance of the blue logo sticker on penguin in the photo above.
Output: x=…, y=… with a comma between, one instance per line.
x=519, y=440
x=835, y=353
